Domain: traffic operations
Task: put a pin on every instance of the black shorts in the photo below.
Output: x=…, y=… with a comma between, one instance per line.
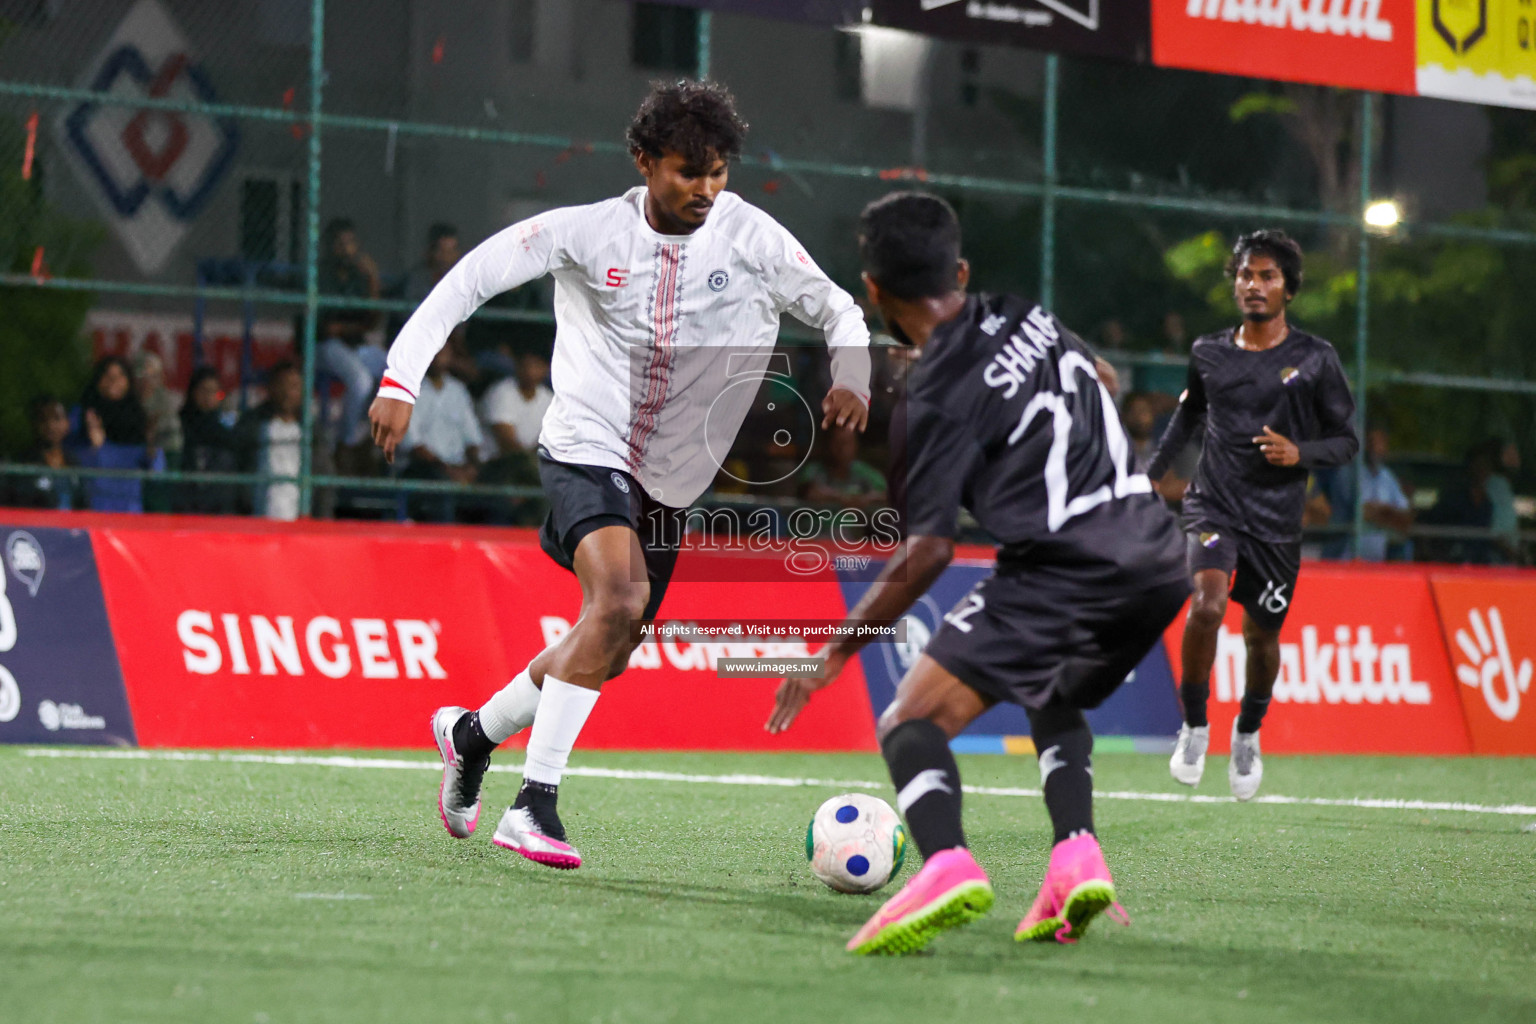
x=1266, y=571
x=1024, y=638
x=587, y=498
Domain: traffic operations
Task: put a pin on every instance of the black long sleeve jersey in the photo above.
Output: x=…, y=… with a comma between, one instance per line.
x=1298, y=389
x=1006, y=416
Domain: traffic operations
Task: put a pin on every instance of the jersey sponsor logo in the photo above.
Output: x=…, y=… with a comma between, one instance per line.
x=617, y=277
x=619, y=481
x=383, y=650
x=1485, y=664
x=803, y=258
x=1210, y=540
x=992, y=324
x=1290, y=375
x=1354, y=18
x=1028, y=345
x=718, y=280
x=1353, y=669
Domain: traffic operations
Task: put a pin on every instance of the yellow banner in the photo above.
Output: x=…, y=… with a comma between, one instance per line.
x=1481, y=51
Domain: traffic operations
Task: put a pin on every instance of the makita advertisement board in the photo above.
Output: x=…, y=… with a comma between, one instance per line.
x=173, y=631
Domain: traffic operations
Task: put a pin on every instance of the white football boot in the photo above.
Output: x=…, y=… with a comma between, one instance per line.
x=1188, y=761
x=1246, y=768
x=458, y=801
x=535, y=832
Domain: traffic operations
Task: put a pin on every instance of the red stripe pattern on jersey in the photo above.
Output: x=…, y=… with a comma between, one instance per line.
x=658, y=366
x=390, y=382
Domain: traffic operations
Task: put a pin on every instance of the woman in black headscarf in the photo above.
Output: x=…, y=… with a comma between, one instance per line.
x=112, y=434
x=208, y=445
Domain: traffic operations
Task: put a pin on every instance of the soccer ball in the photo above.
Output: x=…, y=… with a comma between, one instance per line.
x=855, y=843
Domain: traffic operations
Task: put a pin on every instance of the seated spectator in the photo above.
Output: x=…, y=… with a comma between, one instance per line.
x=442, y=252
x=1139, y=414
x=269, y=440
x=1465, y=505
x=443, y=441
x=512, y=410
x=208, y=446
x=840, y=478
x=164, y=426
x=1505, y=459
x=59, y=490
x=112, y=434
x=344, y=351
x=1388, y=513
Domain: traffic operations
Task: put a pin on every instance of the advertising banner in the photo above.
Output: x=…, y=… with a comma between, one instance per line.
x=59, y=677
x=1357, y=44
x=1362, y=668
x=1145, y=706
x=1097, y=28
x=328, y=638
x=1481, y=51
x=1490, y=630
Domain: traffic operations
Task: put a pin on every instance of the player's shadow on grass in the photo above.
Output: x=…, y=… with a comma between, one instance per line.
x=810, y=905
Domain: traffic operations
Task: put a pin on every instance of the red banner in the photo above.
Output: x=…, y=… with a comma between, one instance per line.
x=331, y=637
x=1490, y=631
x=1362, y=668
x=1357, y=44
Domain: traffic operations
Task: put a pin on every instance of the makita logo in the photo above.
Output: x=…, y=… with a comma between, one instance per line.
x=1354, y=669
x=1336, y=17
x=686, y=656
x=376, y=648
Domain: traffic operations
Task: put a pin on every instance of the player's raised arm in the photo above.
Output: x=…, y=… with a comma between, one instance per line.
x=800, y=288
x=1337, y=441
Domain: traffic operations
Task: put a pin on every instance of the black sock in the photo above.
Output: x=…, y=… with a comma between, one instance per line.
x=1065, y=744
x=1250, y=713
x=469, y=739
x=927, y=784
x=1194, y=696
x=536, y=792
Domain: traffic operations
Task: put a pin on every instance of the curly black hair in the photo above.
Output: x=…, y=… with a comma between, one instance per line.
x=1278, y=246
x=696, y=119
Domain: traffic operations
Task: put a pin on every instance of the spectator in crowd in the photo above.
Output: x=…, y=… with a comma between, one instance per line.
x=1505, y=459
x=513, y=408
x=113, y=434
x=1465, y=505
x=1139, y=414
x=208, y=446
x=269, y=439
x=840, y=478
x=57, y=490
x=346, y=271
x=443, y=441
x=1388, y=514
x=443, y=251
x=163, y=426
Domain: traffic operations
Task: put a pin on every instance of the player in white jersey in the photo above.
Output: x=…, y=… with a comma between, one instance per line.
x=661, y=296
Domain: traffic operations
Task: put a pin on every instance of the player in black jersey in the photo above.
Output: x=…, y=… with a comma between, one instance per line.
x=1007, y=416
x=1273, y=403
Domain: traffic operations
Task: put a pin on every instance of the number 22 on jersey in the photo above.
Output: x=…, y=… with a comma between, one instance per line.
x=1060, y=506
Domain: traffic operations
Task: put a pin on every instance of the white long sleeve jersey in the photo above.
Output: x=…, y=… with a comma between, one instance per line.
x=652, y=331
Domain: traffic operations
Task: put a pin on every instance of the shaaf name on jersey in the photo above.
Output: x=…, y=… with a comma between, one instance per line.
x=1013, y=365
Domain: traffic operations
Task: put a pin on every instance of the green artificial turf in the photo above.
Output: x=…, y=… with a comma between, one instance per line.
x=154, y=890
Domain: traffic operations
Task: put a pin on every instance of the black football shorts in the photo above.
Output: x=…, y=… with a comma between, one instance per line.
x=1026, y=637
x=1266, y=572
x=583, y=499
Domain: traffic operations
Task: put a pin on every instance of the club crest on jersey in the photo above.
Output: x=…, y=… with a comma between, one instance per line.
x=1210, y=540
x=1290, y=375
x=718, y=280
x=620, y=482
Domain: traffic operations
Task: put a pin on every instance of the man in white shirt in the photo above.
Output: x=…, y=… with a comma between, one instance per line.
x=663, y=297
x=444, y=438
x=513, y=408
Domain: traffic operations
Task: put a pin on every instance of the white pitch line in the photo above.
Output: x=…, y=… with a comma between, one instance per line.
x=339, y=761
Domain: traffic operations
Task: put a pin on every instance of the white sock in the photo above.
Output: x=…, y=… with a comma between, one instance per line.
x=563, y=710
x=510, y=709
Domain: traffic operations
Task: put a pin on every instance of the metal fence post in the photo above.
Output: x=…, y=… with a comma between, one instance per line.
x=312, y=254
x=1048, y=193
x=703, y=44
x=1362, y=309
